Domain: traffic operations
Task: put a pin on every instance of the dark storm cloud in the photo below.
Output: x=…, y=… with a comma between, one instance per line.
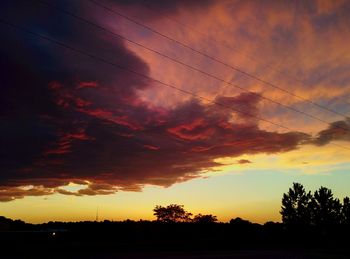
x=67, y=118
x=37, y=122
x=166, y=7
x=339, y=130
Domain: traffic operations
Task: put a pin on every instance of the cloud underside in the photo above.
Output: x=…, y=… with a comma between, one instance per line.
x=113, y=143
x=66, y=118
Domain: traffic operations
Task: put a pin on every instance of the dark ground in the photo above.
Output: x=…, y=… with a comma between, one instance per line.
x=234, y=254
x=146, y=239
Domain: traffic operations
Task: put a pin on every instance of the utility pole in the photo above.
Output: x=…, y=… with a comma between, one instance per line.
x=96, y=215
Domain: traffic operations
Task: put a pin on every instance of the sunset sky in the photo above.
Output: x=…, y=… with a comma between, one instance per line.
x=216, y=105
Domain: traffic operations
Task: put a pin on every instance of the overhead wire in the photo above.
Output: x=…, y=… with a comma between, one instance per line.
x=184, y=64
x=215, y=59
x=105, y=61
x=235, y=49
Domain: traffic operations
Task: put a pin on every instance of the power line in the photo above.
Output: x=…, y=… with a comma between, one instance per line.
x=100, y=59
x=235, y=49
x=217, y=60
x=184, y=64
x=85, y=53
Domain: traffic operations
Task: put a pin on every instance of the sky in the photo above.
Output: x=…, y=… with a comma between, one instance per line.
x=119, y=106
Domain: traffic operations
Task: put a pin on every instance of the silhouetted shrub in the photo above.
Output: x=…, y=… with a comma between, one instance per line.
x=204, y=219
x=172, y=213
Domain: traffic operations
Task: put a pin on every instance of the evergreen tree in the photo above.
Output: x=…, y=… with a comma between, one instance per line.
x=296, y=206
x=345, y=211
x=326, y=210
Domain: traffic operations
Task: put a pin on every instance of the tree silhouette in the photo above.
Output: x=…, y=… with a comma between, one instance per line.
x=345, y=211
x=326, y=210
x=204, y=219
x=296, y=206
x=172, y=213
x=240, y=222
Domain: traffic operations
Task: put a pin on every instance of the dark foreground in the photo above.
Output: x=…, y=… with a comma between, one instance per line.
x=235, y=254
x=146, y=239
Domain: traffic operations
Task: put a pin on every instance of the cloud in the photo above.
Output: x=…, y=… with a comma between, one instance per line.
x=65, y=192
x=243, y=161
x=166, y=147
x=13, y=193
x=339, y=130
x=156, y=9
x=66, y=118
x=285, y=50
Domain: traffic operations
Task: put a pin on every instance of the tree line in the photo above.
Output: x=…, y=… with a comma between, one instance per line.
x=309, y=221
x=299, y=208
x=176, y=213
